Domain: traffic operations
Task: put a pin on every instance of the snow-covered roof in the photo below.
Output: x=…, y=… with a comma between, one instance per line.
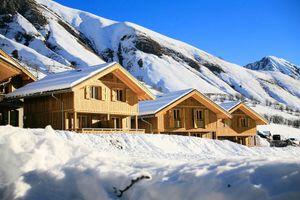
x=59, y=81
x=229, y=105
x=15, y=64
x=153, y=106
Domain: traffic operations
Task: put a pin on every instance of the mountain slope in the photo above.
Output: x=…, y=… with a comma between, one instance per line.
x=76, y=39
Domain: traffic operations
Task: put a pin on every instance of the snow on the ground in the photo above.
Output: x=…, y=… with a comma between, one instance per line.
x=285, y=131
x=48, y=164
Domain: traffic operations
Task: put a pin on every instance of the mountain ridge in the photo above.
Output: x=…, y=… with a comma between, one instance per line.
x=75, y=39
x=273, y=63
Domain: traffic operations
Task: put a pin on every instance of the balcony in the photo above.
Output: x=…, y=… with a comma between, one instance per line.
x=199, y=124
x=109, y=130
x=177, y=124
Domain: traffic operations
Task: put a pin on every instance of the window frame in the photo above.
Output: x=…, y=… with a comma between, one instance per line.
x=119, y=94
x=243, y=122
x=95, y=92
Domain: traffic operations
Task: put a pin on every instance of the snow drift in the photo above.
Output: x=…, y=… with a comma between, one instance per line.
x=48, y=164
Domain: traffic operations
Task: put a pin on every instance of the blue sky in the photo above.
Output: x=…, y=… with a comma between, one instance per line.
x=240, y=31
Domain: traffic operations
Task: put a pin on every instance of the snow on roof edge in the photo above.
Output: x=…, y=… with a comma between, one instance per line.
x=227, y=106
x=22, y=92
x=168, y=103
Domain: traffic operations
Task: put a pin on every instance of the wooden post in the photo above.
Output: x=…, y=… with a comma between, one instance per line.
x=183, y=113
x=66, y=121
x=75, y=121
x=8, y=117
x=136, y=123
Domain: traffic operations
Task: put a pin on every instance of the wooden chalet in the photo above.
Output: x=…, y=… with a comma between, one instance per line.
x=185, y=112
x=241, y=128
x=93, y=99
x=12, y=76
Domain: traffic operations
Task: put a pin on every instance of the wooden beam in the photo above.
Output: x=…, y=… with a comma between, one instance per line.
x=75, y=121
x=136, y=122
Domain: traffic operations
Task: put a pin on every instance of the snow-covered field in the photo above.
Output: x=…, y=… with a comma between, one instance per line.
x=48, y=164
x=285, y=131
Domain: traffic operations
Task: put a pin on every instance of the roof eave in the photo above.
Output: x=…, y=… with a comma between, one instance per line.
x=38, y=94
x=260, y=119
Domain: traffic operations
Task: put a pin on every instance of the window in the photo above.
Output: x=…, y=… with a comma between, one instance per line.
x=92, y=92
x=118, y=95
x=199, y=115
x=243, y=122
x=95, y=92
x=82, y=121
x=198, y=118
x=176, y=114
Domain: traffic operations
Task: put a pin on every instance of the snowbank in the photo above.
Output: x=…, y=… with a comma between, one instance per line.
x=48, y=164
x=277, y=129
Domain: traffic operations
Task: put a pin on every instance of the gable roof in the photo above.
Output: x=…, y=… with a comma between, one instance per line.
x=154, y=106
x=229, y=105
x=165, y=101
x=10, y=67
x=62, y=81
x=235, y=105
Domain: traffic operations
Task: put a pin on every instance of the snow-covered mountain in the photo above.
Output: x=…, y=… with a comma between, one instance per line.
x=35, y=30
x=272, y=63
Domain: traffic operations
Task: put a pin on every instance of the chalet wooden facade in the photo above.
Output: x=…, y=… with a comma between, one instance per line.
x=95, y=99
x=186, y=112
x=241, y=128
x=12, y=76
x=107, y=98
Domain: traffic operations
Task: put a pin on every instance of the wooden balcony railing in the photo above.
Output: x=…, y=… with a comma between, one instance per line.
x=109, y=130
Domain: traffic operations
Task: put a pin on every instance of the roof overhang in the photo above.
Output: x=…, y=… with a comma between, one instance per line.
x=250, y=112
x=40, y=94
x=7, y=70
x=11, y=68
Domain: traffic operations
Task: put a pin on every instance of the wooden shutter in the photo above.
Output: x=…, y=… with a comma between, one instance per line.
x=239, y=122
x=182, y=118
x=113, y=95
x=248, y=122
x=195, y=118
x=127, y=95
x=99, y=89
x=87, y=92
x=171, y=119
x=103, y=93
x=206, y=117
